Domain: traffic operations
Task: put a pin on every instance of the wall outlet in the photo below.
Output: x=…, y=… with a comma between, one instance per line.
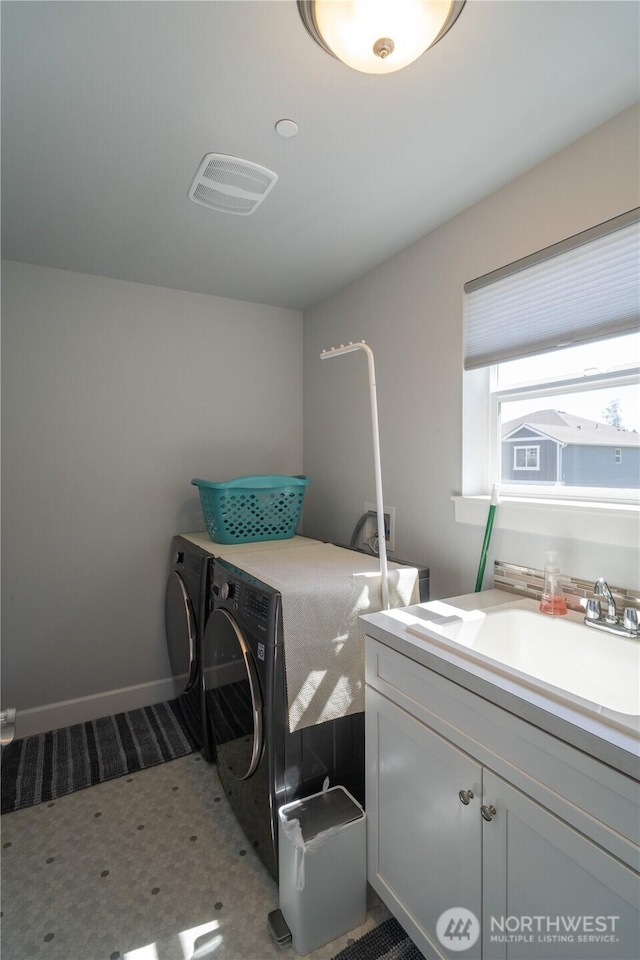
x=370, y=528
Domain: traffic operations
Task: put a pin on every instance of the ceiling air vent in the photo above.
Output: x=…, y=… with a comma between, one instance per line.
x=230, y=184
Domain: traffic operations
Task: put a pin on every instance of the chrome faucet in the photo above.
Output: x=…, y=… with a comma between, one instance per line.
x=629, y=626
x=601, y=589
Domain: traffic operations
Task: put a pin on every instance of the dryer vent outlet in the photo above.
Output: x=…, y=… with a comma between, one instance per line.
x=230, y=184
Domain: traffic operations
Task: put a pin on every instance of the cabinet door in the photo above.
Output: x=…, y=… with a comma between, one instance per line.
x=424, y=843
x=550, y=882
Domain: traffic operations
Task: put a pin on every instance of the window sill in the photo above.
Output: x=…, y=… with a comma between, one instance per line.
x=610, y=523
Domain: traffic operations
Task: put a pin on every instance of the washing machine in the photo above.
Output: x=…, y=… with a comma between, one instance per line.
x=261, y=764
x=187, y=606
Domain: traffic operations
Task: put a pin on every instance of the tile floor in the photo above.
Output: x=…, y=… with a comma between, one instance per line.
x=153, y=866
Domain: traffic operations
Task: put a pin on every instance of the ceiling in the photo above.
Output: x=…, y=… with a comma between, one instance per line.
x=109, y=107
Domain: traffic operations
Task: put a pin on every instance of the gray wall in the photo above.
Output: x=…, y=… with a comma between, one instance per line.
x=115, y=395
x=410, y=311
x=596, y=466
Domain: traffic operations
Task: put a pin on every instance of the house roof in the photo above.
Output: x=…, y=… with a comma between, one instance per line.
x=568, y=429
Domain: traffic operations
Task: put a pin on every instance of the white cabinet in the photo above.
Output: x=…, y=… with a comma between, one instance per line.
x=426, y=844
x=536, y=866
x=546, y=878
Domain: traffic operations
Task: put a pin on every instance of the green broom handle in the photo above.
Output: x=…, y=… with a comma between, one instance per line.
x=487, y=538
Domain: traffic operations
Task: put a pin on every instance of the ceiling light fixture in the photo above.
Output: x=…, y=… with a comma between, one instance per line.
x=378, y=36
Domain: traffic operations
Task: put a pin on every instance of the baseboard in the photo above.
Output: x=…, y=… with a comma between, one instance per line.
x=51, y=716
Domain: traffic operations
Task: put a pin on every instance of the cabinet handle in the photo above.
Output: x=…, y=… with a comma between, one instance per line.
x=488, y=812
x=466, y=796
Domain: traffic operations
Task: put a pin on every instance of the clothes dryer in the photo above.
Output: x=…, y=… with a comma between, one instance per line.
x=261, y=764
x=186, y=610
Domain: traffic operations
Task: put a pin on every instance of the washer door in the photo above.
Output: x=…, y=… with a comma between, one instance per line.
x=233, y=698
x=180, y=625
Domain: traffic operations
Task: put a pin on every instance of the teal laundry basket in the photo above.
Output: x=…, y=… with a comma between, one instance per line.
x=249, y=509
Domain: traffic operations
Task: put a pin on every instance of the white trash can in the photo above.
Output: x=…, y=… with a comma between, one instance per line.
x=322, y=843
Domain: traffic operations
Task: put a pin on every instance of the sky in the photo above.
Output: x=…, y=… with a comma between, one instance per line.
x=590, y=405
x=618, y=353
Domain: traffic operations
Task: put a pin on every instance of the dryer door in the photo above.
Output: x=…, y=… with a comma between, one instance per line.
x=232, y=692
x=180, y=625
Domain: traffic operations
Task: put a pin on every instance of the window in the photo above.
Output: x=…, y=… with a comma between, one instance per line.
x=526, y=458
x=552, y=371
x=562, y=430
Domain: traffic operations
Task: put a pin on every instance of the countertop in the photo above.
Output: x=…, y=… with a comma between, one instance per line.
x=590, y=732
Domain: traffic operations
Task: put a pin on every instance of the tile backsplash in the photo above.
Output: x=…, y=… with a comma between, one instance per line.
x=528, y=582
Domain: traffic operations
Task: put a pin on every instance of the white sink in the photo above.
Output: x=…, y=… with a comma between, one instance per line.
x=557, y=654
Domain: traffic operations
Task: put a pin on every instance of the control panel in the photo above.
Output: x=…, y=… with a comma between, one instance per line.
x=255, y=605
x=228, y=591
x=242, y=593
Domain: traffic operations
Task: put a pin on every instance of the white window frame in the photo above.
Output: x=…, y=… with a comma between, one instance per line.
x=617, y=455
x=526, y=448
x=559, y=512
x=498, y=330
x=543, y=390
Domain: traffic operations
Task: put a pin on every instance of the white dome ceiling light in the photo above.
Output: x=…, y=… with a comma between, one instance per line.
x=378, y=36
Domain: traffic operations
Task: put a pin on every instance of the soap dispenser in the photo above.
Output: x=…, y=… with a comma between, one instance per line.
x=553, y=601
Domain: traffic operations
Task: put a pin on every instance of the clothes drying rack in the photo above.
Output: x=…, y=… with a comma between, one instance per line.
x=382, y=541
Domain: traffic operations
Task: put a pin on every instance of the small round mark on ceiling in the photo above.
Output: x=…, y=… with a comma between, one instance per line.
x=286, y=128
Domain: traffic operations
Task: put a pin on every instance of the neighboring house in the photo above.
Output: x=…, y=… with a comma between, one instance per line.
x=550, y=446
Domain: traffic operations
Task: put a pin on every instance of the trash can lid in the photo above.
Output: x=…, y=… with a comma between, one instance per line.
x=332, y=808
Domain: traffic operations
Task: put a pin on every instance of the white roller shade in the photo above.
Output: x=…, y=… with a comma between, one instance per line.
x=585, y=288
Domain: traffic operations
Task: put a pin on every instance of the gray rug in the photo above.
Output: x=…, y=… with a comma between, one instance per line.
x=387, y=942
x=55, y=764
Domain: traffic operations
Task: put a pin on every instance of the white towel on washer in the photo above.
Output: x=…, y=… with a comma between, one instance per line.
x=233, y=551
x=324, y=590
